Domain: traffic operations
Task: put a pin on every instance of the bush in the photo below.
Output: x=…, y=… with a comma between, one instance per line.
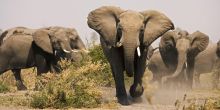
x=97, y=54
x=3, y=87
x=75, y=87
x=39, y=101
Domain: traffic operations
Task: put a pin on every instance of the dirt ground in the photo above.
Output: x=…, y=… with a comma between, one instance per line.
x=165, y=99
x=162, y=100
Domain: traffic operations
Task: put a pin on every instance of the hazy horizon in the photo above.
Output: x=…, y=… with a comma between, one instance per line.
x=190, y=15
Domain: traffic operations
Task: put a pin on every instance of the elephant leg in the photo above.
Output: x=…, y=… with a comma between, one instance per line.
x=55, y=68
x=196, y=79
x=216, y=74
x=136, y=90
x=115, y=58
x=190, y=71
x=41, y=64
x=19, y=82
x=215, y=79
x=121, y=94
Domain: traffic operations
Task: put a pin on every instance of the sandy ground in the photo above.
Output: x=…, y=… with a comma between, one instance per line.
x=161, y=99
x=166, y=99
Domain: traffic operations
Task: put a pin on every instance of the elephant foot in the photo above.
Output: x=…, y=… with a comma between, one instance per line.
x=136, y=90
x=20, y=86
x=123, y=100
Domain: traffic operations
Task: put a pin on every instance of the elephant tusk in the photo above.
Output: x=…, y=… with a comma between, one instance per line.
x=86, y=51
x=55, y=52
x=75, y=51
x=186, y=65
x=119, y=44
x=66, y=51
x=138, y=51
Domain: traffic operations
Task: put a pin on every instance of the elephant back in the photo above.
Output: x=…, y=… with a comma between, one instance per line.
x=17, y=30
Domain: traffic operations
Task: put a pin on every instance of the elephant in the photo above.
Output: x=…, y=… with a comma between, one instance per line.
x=157, y=66
x=41, y=49
x=208, y=61
x=125, y=36
x=75, y=44
x=178, y=50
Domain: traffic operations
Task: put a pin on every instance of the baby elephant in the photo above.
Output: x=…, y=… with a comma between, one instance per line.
x=25, y=48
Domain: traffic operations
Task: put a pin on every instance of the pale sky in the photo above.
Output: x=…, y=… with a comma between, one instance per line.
x=191, y=15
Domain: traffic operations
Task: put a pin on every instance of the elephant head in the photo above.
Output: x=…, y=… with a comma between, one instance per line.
x=178, y=49
x=128, y=29
x=74, y=41
x=52, y=42
x=218, y=48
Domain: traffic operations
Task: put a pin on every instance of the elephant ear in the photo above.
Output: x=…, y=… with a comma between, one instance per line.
x=3, y=35
x=42, y=40
x=156, y=24
x=167, y=48
x=199, y=42
x=104, y=21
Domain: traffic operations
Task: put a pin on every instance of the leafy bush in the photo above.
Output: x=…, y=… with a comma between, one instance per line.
x=97, y=54
x=75, y=87
x=3, y=87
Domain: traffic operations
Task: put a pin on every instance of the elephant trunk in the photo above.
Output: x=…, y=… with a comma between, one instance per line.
x=129, y=46
x=181, y=62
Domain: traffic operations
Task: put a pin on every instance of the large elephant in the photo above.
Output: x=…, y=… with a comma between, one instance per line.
x=41, y=49
x=125, y=36
x=208, y=61
x=178, y=49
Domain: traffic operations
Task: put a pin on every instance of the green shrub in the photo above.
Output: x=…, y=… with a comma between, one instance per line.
x=97, y=54
x=39, y=101
x=3, y=87
x=75, y=87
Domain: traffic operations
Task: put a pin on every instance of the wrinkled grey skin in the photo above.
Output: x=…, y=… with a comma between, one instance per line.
x=208, y=61
x=178, y=50
x=121, y=34
x=40, y=49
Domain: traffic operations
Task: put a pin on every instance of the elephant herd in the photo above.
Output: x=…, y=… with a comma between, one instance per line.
x=126, y=37
x=182, y=57
x=42, y=48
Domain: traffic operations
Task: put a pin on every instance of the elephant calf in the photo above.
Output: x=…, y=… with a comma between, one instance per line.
x=41, y=48
x=208, y=61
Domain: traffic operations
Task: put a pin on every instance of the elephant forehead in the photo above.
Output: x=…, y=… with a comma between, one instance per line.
x=183, y=43
x=131, y=18
x=61, y=34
